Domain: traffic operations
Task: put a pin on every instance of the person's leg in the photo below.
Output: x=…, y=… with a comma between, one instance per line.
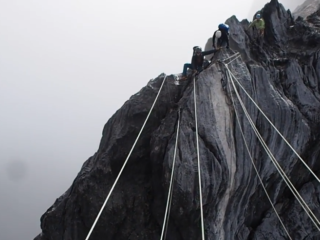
x=185, y=68
x=257, y=36
x=199, y=69
x=262, y=32
x=260, y=37
x=205, y=63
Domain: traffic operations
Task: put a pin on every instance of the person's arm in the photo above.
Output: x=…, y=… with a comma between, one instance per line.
x=215, y=44
x=263, y=24
x=193, y=63
x=251, y=24
x=208, y=52
x=227, y=40
x=213, y=38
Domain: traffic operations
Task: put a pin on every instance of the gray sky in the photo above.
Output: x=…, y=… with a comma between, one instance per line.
x=65, y=67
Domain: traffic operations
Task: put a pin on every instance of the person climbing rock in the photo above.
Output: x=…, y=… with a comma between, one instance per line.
x=221, y=37
x=259, y=24
x=196, y=62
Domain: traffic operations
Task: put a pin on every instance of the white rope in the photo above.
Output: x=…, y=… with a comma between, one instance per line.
x=165, y=233
x=251, y=158
x=276, y=129
x=198, y=155
x=234, y=59
x=275, y=162
x=167, y=212
x=125, y=162
x=230, y=57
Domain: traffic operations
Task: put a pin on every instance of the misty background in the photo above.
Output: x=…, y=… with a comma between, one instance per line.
x=66, y=67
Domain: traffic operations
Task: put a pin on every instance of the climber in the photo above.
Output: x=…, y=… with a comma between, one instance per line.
x=197, y=61
x=259, y=24
x=221, y=37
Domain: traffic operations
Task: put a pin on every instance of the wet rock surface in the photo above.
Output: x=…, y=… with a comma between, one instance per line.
x=282, y=75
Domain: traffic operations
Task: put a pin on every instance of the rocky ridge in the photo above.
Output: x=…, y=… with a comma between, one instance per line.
x=282, y=75
x=306, y=8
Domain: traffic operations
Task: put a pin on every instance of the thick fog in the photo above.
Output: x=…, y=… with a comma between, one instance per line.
x=65, y=67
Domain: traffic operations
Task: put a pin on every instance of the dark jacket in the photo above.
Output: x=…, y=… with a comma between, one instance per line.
x=223, y=39
x=197, y=60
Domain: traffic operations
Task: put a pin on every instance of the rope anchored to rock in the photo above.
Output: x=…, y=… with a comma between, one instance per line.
x=198, y=156
x=269, y=153
x=125, y=162
x=274, y=127
x=251, y=158
x=169, y=199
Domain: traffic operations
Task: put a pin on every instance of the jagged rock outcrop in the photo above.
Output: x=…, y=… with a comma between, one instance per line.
x=306, y=8
x=282, y=76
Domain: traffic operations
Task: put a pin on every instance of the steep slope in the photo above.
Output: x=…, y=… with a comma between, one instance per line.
x=283, y=78
x=306, y=8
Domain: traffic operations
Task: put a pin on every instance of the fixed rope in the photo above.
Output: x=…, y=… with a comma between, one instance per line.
x=125, y=162
x=167, y=212
x=236, y=55
x=167, y=226
x=223, y=60
x=252, y=161
x=285, y=140
x=275, y=162
x=198, y=156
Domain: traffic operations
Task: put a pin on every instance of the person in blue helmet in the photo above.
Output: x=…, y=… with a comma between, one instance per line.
x=221, y=37
x=259, y=24
x=196, y=62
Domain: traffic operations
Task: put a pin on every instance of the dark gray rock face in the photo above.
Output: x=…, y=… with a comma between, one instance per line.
x=282, y=76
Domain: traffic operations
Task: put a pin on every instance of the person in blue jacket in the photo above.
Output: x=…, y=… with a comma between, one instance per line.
x=221, y=37
x=196, y=62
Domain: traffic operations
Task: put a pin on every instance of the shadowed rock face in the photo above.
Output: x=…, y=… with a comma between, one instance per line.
x=282, y=76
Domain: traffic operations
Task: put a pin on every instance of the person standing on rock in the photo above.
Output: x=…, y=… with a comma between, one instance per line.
x=221, y=37
x=259, y=24
x=196, y=62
